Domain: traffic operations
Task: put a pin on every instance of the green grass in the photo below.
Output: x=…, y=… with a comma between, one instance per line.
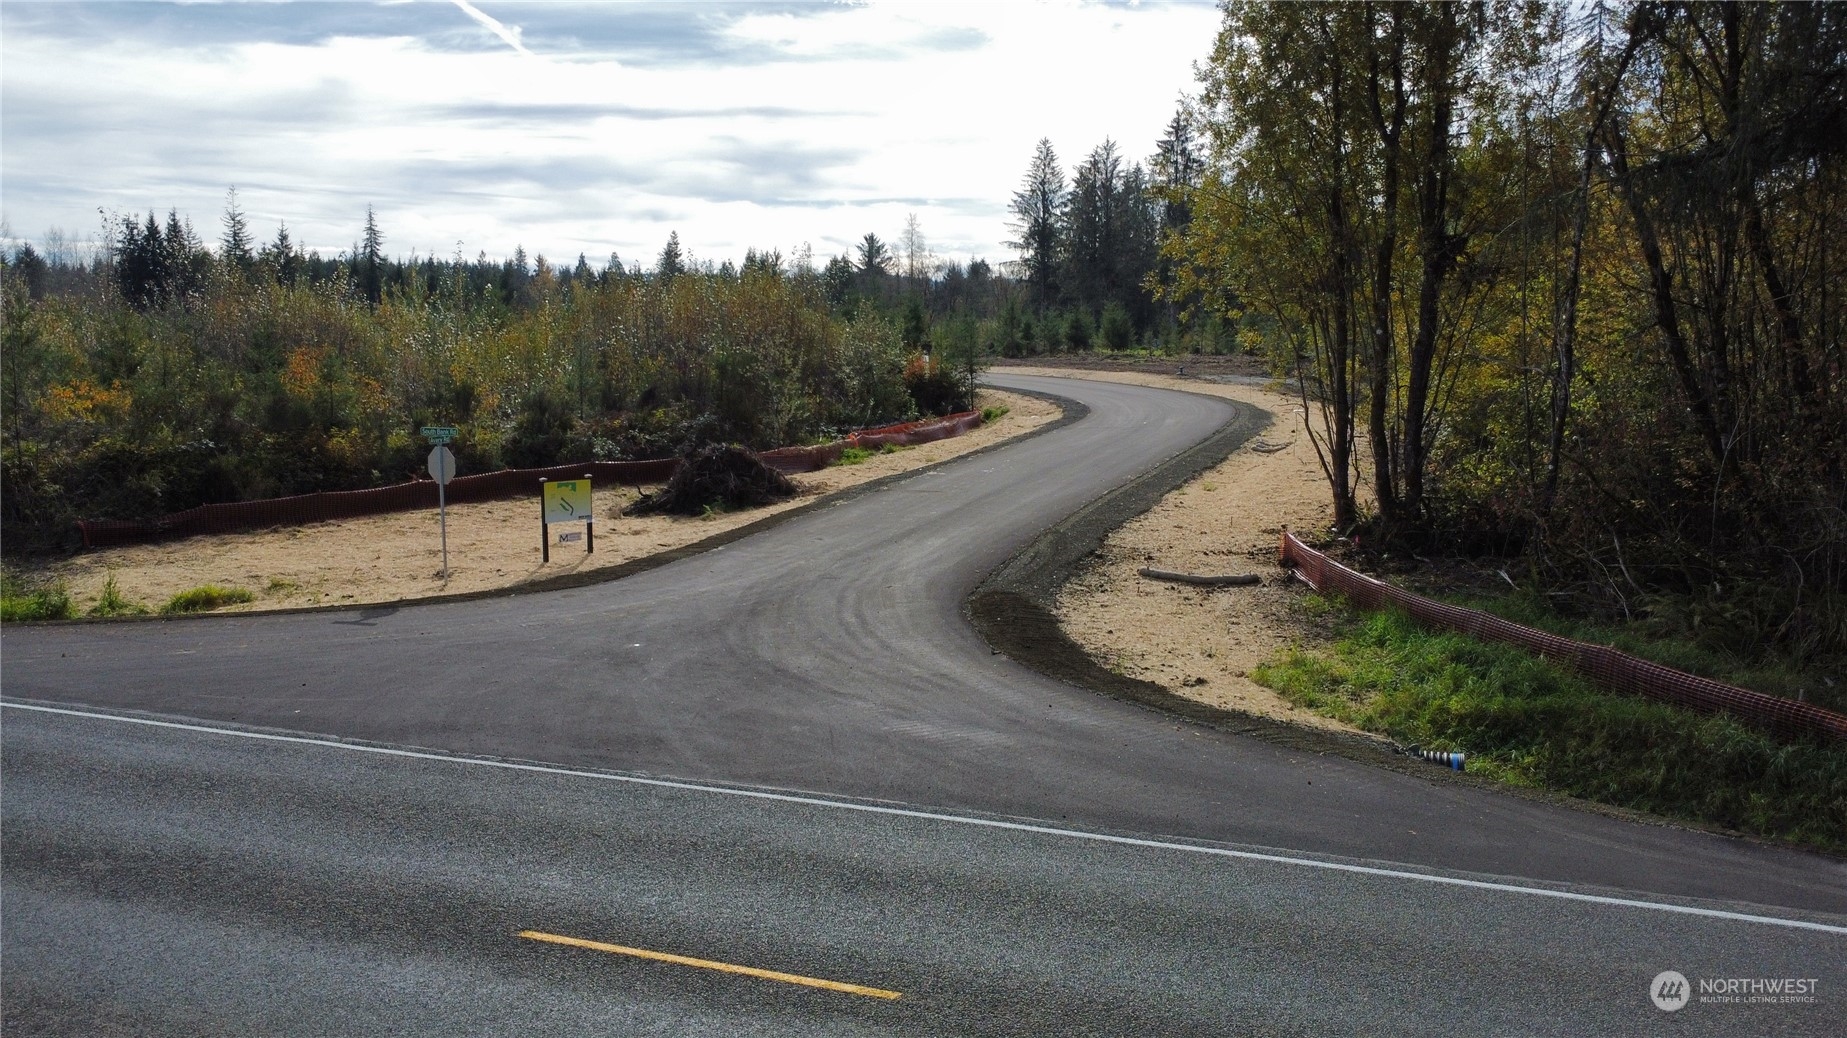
x=111, y=603
x=1526, y=722
x=855, y=455
x=201, y=599
x=989, y=414
x=21, y=599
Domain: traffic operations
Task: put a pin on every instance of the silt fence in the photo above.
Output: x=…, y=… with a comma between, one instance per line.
x=488, y=486
x=1608, y=667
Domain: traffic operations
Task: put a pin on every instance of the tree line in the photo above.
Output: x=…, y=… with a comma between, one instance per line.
x=1560, y=282
x=1090, y=249
x=168, y=372
x=165, y=373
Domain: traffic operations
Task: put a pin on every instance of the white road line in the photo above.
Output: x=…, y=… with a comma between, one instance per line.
x=990, y=823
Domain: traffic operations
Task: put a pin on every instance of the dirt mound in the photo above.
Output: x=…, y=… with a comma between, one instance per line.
x=718, y=477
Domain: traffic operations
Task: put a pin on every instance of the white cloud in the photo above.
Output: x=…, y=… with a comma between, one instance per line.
x=818, y=125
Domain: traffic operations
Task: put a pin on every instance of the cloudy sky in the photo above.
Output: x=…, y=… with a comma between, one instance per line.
x=570, y=128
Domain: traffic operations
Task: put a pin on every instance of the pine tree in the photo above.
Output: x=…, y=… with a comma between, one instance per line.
x=186, y=260
x=874, y=257
x=1178, y=167
x=1038, y=208
x=282, y=256
x=672, y=262
x=371, y=260
x=140, y=263
x=234, y=247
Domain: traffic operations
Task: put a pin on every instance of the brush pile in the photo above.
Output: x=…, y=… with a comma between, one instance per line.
x=719, y=477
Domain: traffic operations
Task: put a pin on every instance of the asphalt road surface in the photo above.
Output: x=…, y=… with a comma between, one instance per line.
x=179, y=880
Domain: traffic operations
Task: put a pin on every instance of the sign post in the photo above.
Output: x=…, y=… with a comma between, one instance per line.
x=565, y=501
x=442, y=470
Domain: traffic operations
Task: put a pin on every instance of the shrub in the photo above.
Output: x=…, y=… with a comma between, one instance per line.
x=1077, y=331
x=935, y=388
x=1116, y=330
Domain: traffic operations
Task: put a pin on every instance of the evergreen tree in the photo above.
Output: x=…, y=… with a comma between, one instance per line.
x=370, y=260
x=837, y=282
x=672, y=263
x=186, y=259
x=234, y=247
x=282, y=257
x=1037, y=208
x=874, y=257
x=914, y=329
x=1176, y=170
x=140, y=263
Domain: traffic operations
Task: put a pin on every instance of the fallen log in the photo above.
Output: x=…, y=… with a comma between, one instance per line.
x=1228, y=580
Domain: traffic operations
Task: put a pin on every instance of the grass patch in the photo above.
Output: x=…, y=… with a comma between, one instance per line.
x=1524, y=721
x=22, y=599
x=855, y=455
x=112, y=603
x=203, y=599
x=989, y=414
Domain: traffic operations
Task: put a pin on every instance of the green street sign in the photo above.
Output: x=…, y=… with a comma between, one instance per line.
x=438, y=433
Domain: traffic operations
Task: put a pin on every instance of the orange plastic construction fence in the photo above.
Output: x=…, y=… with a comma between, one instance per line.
x=1608, y=667
x=488, y=486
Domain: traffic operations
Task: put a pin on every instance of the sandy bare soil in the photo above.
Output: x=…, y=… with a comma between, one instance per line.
x=1202, y=642
x=492, y=545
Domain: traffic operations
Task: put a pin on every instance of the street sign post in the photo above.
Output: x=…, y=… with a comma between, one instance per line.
x=442, y=470
x=438, y=434
x=565, y=501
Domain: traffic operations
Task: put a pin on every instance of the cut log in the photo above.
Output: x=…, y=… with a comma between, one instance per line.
x=1227, y=580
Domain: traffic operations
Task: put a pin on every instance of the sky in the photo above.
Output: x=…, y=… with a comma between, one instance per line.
x=577, y=127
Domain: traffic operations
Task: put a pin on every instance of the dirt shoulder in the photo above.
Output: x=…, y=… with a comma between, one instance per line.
x=1201, y=643
x=492, y=545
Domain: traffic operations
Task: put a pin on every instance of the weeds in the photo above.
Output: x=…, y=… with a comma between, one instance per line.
x=111, y=602
x=1526, y=722
x=855, y=455
x=203, y=599
x=21, y=599
x=998, y=411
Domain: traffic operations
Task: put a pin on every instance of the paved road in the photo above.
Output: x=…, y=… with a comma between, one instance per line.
x=829, y=655
x=161, y=881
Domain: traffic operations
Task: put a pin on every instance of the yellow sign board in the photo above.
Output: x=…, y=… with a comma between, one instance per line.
x=567, y=501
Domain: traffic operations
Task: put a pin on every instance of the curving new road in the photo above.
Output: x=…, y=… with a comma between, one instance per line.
x=590, y=809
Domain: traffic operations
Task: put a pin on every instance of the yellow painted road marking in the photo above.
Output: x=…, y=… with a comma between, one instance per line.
x=726, y=967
